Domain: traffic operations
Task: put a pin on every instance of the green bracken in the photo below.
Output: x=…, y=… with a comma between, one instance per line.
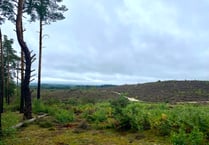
x=114, y=122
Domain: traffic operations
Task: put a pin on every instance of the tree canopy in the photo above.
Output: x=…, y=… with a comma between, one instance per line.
x=45, y=10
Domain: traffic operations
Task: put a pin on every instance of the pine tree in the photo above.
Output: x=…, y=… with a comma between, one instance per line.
x=1, y=82
x=46, y=11
x=27, y=57
x=10, y=60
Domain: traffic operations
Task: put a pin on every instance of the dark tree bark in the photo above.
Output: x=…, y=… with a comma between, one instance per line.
x=40, y=57
x=2, y=76
x=0, y=126
x=1, y=82
x=17, y=78
x=22, y=102
x=7, y=80
x=27, y=57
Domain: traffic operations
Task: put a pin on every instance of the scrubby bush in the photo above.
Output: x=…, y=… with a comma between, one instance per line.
x=182, y=138
x=137, y=117
x=118, y=104
x=193, y=122
x=189, y=117
x=184, y=124
x=98, y=112
x=161, y=123
x=87, y=111
x=196, y=137
x=73, y=101
x=9, y=119
x=54, y=109
x=64, y=116
x=39, y=107
x=179, y=138
x=52, y=101
x=122, y=122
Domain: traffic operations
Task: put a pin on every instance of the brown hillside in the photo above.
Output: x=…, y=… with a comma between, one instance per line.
x=167, y=91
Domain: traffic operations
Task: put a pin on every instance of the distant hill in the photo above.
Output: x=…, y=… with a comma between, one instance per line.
x=167, y=91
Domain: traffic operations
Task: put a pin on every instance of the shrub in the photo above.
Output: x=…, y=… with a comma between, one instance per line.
x=137, y=117
x=53, y=101
x=189, y=117
x=182, y=138
x=9, y=119
x=39, y=107
x=119, y=104
x=88, y=100
x=100, y=115
x=87, y=111
x=64, y=116
x=73, y=101
x=164, y=128
x=98, y=112
x=196, y=137
x=179, y=138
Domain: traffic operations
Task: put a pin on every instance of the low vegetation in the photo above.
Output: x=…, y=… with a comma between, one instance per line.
x=115, y=121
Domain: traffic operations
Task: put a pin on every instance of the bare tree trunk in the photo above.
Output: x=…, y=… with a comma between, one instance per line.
x=1, y=82
x=22, y=102
x=0, y=126
x=26, y=81
x=40, y=59
x=17, y=81
x=7, y=80
x=2, y=76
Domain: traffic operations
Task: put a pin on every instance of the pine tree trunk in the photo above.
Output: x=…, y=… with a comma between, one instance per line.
x=39, y=64
x=1, y=82
x=22, y=102
x=17, y=77
x=0, y=126
x=2, y=76
x=26, y=81
x=7, y=80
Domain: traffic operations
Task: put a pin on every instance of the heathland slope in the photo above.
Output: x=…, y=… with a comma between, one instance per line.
x=161, y=91
x=167, y=91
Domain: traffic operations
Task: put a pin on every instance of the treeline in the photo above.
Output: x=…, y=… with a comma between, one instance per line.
x=19, y=12
x=10, y=68
x=69, y=86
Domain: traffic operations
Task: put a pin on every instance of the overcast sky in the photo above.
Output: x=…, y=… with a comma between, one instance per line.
x=124, y=42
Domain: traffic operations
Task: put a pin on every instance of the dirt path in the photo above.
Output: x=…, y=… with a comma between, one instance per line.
x=129, y=98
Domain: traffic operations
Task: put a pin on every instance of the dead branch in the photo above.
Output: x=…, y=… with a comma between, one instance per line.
x=28, y=121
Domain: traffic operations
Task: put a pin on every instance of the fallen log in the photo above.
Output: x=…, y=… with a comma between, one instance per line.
x=28, y=121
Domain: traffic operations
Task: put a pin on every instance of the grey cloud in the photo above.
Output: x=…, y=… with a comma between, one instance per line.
x=127, y=41
x=159, y=39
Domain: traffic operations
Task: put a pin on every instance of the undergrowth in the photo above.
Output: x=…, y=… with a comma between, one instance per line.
x=180, y=124
x=9, y=119
x=54, y=109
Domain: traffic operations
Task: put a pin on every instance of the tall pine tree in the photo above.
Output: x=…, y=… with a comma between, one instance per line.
x=27, y=57
x=1, y=82
x=10, y=61
x=45, y=11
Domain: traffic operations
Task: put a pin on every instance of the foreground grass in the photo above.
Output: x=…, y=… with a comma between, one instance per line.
x=34, y=134
x=112, y=122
